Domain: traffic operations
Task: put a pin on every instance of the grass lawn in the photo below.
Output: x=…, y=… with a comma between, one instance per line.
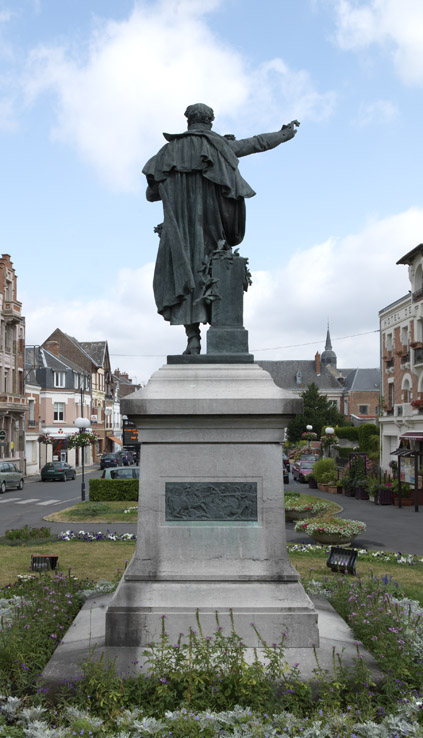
x=96, y=512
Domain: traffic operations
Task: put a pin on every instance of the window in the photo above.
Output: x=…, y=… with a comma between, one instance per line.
x=59, y=379
x=363, y=409
x=59, y=411
x=6, y=380
x=31, y=413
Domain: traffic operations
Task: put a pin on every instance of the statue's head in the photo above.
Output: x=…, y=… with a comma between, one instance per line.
x=199, y=114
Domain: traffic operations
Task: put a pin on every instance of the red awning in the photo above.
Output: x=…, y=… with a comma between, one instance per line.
x=413, y=436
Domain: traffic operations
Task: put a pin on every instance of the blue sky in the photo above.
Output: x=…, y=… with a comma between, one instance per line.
x=88, y=86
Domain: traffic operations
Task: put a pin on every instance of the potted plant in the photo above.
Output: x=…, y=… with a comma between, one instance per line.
x=417, y=404
x=323, y=471
x=404, y=493
x=311, y=481
x=383, y=494
x=330, y=530
x=297, y=510
x=361, y=487
x=332, y=486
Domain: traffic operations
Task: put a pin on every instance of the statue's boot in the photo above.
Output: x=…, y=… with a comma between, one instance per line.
x=194, y=336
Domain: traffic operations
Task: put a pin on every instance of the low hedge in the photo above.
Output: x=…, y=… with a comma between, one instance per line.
x=113, y=489
x=348, y=432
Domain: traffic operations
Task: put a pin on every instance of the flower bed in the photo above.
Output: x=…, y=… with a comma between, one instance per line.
x=299, y=511
x=331, y=530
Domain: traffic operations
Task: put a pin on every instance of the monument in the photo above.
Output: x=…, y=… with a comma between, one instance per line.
x=211, y=527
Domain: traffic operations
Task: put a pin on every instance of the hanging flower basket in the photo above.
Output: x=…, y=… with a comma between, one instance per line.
x=79, y=440
x=45, y=438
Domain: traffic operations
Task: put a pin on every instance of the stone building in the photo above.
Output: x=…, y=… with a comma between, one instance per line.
x=13, y=403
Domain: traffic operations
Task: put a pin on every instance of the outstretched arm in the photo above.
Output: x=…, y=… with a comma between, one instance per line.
x=264, y=141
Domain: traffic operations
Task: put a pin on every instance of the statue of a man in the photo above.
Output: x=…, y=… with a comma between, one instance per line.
x=196, y=177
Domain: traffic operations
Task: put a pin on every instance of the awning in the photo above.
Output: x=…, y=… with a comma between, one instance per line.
x=413, y=436
x=403, y=452
x=116, y=440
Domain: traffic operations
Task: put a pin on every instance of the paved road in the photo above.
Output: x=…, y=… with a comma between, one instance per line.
x=388, y=528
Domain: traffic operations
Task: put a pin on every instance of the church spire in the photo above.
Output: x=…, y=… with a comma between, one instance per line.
x=328, y=357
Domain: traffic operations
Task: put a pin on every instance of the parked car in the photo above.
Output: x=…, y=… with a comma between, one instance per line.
x=108, y=460
x=121, y=472
x=285, y=475
x=286, y=462
x=302, y=468
x=10, y=477
x=125, y=457
x=57, y=470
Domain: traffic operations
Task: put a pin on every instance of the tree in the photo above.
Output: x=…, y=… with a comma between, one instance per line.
x=318, y=412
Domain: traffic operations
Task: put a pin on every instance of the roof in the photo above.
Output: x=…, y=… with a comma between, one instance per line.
x=284, y=375
x=411, y=255
x=96, y=350
x=363, y=380
x=39, y=358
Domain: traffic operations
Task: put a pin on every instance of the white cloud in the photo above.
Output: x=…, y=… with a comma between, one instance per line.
x=136, y=77
x=376, y=112
x=397, y=26
x=347, y=280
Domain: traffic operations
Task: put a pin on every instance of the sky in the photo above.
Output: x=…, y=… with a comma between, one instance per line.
x=87, y=87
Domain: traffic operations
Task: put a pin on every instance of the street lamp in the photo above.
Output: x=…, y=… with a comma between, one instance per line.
x=82, y=424
x=309, y=428
x=329, y=432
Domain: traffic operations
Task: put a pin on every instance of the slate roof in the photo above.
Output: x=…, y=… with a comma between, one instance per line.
x=38, y=357
x=96, y=350
x=284, y=374
x=363, y=380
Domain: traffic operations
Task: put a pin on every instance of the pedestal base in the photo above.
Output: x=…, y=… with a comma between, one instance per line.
x=211, y=529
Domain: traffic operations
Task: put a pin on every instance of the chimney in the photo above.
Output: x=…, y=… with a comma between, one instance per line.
x=53, y=347
x=317, y=362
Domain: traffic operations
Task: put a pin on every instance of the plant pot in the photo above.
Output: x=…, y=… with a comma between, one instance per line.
x=332, y=539
x=333, y=489
x=297, y=515
x=405, y=501
x=323, y=487
x=383, y=497
x=312, y=484
x=349, y=492
x=361, y=493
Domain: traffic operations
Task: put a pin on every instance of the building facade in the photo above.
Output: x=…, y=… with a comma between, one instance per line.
x=401, y=330
x=13, y=405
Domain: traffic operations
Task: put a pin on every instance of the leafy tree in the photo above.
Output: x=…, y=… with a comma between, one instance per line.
x=318, y=412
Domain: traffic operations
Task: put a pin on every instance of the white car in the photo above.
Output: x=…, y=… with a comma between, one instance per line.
x=121, y=472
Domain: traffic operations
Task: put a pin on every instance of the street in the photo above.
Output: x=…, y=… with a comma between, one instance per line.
x=37, y=499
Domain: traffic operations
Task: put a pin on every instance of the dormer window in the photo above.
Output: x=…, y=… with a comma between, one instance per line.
x=299, y=378
x=59, y=379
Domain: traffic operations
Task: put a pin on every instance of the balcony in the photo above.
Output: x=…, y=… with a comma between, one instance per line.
x=417, y=295
x=405, y=360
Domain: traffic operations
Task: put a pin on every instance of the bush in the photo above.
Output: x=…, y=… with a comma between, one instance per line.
x=321, y=469
x=344, y=451
x=113, y=489
x=348, y=432
x=365, y=433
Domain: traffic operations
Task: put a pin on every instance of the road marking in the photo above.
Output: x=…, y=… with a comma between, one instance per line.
x=26, y=502
x=71, y=499
x=9, y=499
x=49, y=502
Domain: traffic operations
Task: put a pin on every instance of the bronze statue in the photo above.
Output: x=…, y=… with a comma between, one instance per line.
x=196, y=177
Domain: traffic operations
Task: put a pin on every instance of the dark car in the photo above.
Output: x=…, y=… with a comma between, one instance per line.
x=286, y=463
x=302, y=468
x=57, y=470
x=285, y=475
x=108, y=460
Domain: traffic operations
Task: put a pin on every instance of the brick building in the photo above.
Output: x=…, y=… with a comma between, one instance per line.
x=401, y=327
x=13, y=404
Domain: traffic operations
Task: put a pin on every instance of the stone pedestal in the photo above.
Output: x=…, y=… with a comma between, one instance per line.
x=211, y=529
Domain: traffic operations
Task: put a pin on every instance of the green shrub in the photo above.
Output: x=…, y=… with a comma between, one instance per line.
x=322, y=468
x=113, y=489
x=348, y=432
x=365, y=433
x=344, y=451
